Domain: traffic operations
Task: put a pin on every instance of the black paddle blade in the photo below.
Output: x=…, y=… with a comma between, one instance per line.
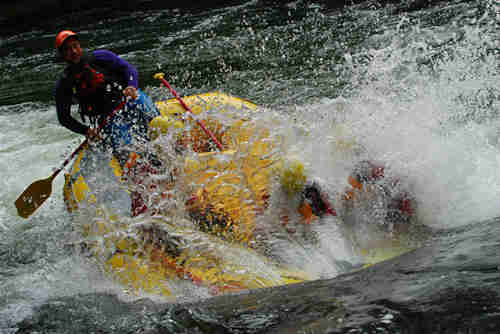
x=34, y=196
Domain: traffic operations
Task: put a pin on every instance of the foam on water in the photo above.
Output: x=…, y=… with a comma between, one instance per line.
x=433, y=125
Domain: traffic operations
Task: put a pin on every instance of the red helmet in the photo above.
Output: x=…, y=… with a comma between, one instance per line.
x=63, y=36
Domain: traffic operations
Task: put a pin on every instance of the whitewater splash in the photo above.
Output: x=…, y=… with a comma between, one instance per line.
x=426, y=104
x=409, y=135
x=425, y=99
x=204, y=209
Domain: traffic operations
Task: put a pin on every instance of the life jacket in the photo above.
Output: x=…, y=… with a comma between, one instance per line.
x=88, y=81
x=97, y=89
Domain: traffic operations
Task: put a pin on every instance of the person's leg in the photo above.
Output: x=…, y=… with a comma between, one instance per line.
x=141, y=112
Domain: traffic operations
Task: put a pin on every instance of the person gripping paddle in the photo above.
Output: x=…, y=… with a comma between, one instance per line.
x=104, y=86
x=98, y=81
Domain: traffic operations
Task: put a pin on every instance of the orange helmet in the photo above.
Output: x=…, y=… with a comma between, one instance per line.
x=63, y=36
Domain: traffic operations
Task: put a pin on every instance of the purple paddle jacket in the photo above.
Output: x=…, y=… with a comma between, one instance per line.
x=114, y=69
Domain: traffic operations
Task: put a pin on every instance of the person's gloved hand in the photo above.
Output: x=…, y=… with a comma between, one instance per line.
x=131, y=92
x=93, y=135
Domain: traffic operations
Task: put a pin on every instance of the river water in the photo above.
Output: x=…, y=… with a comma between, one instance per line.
x=415, y=87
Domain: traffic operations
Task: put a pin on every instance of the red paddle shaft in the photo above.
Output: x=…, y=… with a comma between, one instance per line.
x=207, y=131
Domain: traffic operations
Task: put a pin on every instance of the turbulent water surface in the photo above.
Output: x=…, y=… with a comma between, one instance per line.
x=413, y=86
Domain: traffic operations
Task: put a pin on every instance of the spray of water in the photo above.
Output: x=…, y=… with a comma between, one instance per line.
x=420, y=98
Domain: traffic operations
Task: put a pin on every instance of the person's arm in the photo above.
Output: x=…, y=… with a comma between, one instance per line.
x=63, y=107
x=115, y=63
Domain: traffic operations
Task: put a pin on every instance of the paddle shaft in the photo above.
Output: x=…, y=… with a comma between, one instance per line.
x=37, y=192
x=181, y=101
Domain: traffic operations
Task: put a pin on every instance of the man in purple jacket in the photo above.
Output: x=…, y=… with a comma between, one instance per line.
x=98, y=82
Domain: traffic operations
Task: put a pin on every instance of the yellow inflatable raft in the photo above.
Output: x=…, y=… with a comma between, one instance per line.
x=201, y=222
